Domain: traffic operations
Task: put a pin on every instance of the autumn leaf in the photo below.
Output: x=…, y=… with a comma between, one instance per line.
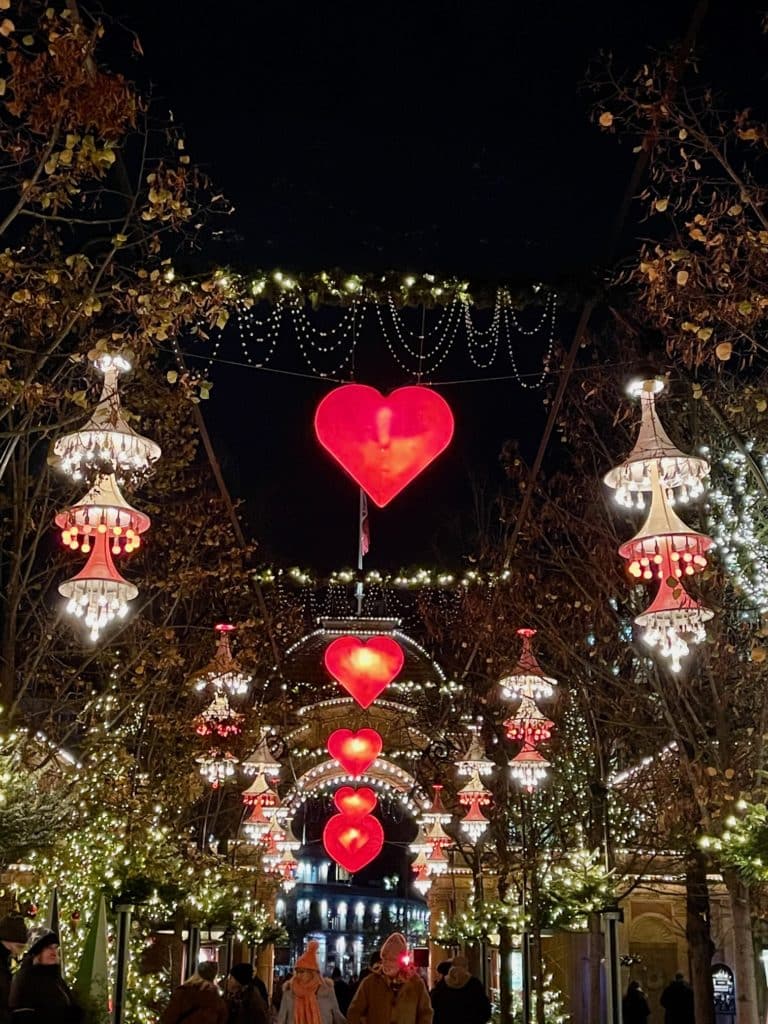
x=723, y=351
x=6, y=27
x=682, y=277
x=606, y=119
x=661, y=205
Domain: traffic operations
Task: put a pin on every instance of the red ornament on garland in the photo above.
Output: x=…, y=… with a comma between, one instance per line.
x=364, y=667
x=355, y=751
x=383, y=443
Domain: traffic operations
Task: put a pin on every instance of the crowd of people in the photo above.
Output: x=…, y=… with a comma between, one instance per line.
x=390, y=991
x=676, y=999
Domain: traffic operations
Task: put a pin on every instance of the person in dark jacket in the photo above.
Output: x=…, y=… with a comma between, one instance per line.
x=197, y=1001
x=677, y=1000
x=441, y=971
x=634, y=1005
x=342, y=989
x=244, y=1000
x=39, y=994
x=13, y=939
x=461, y=998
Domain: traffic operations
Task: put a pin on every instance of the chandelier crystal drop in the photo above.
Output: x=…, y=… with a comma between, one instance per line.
x=527, y=679
x=98, y=594
x=223, y=673
x=106, y=444
x=681, y=475
x=102, y=510
x=529, y=768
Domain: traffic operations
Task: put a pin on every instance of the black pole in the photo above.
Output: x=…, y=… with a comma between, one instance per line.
x=193, y=949
x=526, y=957
x=612, y=968
x=124, y=912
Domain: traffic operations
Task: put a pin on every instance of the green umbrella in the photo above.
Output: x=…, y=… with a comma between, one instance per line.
x=92, y=981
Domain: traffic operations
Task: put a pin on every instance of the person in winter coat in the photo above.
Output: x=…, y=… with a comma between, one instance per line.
x=342, y=989
x=197, y=1001
x=634, y=1005
x=13, y=939
x=244, y=1001
x=393, y=993
x=39, y=994
x=461, y=998
x=308, y=997
x=677, y=1000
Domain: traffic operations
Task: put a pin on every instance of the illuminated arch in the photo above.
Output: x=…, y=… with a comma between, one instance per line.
x=383, y=777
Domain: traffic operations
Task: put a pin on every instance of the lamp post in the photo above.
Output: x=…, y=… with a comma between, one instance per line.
x=124, y=913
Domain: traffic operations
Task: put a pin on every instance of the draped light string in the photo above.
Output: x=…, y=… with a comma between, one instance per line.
x=328, y=350
x=108, y=451
x=665, y=550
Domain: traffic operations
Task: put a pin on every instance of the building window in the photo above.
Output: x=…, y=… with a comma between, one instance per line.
x=302, y=910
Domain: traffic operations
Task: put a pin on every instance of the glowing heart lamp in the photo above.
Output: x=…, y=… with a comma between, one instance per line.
x=353, y=838
x=353, y=842
x=355, y=803
x=364, y=667
x=355, y=751
x=383, y=443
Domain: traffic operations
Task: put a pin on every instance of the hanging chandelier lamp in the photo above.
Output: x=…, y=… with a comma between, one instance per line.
x=474, y=761
x=217, y=766
x=223, y=673
x=474, y=823
x=218, y=719
x=681, y=476
x=528, y=768
x=98, y=593
x=527, y=679
x=528, y=725
x=260, y=760
x=260, y=794
x=420, y=844
x=436, y=813
x=106, y=444
x=437, y=861
x=103, y=510
x=672, y=622
x=256, y=824
x=664, y=547
x=422, y=883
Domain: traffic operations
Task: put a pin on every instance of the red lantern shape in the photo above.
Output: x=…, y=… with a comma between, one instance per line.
x=355, y=751
x=364, y=668
x=353, y=842
x=98, y=593
x=383, y=443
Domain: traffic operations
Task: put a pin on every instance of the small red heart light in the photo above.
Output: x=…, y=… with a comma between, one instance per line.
x=364, y=668
x=383, y=443
x=355, y=751
x=355, y=803
x=353, y=842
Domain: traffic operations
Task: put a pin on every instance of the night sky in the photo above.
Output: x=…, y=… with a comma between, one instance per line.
x=431, y=136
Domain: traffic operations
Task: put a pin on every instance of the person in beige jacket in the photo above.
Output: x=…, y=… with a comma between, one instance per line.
x=393, y=993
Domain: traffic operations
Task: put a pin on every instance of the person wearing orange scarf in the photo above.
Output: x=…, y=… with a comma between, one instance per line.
x=309, y=998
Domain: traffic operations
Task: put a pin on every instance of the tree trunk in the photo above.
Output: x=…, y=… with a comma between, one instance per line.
x=505, y=974
x=699, y=937
x=596, y=954
x=744, y=962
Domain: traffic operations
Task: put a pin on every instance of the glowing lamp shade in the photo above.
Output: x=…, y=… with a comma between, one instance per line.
x=364, y=668
x=355, y=803
x=383, y=443
x=102, y=510
x=355, y=751
x=98, y=593
x=353, y=842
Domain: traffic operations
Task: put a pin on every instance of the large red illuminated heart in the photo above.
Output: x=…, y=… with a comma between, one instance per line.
x=383, y=443
x=364, y=667
x=355, y=751
x=353, y=842
x=355, y=803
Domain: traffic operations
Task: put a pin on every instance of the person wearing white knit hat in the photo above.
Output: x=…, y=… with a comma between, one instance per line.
x=309, y=998
x=393, y=993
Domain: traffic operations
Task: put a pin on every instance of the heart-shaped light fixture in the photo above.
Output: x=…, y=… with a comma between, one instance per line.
x=383, y=443
x=353, y=842
x=355, y=751
x=364, y=667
